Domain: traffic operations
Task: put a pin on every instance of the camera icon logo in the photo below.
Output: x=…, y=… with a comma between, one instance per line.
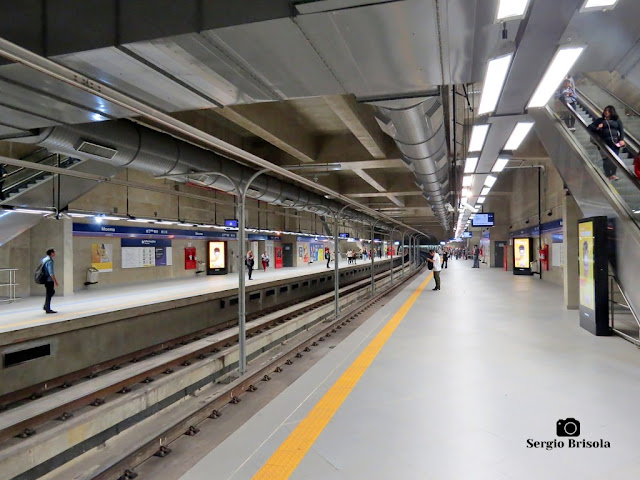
x=569, y=427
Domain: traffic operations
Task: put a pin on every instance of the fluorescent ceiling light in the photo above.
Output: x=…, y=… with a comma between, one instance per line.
x=470, y=165
x=490, y=180
x=464, y=200
x=478, y=136
x=596, y=4
x=467, y=180
x=466, y=192
x=509, y=9
x=519, y=133
x=485, y=191
x=105, y=217
x=481, y=199
x=140, y=220
x=79, y=215
x=500, y=164
x=32, y=210
x=494, y=79
x=558, y=69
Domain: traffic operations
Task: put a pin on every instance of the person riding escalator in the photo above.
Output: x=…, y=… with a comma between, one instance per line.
x=610, y=130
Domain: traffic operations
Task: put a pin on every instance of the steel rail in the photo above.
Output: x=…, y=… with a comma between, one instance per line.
x=287, y=313
x=154, y=117
x=209, y=407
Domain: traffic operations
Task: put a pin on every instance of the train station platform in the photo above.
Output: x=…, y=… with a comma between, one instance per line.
x=27, y=312
x=464, y=383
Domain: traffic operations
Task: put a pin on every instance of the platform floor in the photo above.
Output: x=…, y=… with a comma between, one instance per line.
x=467, y=377
x=27, y=312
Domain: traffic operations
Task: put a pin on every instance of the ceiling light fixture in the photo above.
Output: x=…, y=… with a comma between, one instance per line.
x=470, y=165
x=485, y=191
x=500, y=164
x=562, y=62
x=467, y=180
x=494, y=79
x=490, y=180
x=511, y=9
x=481, y=199
x=466, y=192
x=478, y=136
x=518, y=135
x=598, y=5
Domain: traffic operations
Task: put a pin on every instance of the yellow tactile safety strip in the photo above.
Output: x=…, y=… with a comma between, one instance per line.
x=286, y=458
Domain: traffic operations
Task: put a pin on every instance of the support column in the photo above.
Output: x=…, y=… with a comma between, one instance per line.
x=56, y=234
x=570, y=215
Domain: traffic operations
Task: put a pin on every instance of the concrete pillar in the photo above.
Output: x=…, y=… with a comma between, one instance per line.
x=56, y=234
x=570, y=215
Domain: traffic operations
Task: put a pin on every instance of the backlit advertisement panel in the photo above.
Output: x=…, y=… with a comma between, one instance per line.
x=217, y=258
x=521, y=249
x=587, y=286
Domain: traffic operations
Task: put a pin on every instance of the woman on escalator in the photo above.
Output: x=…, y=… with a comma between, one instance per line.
x=609, y=129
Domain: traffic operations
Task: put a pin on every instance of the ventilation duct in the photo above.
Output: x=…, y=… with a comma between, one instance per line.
x=140, y=148
x=417, y=126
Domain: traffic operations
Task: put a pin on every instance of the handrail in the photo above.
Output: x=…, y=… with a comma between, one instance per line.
x=626, y=105
x=595, y=111
x=628, y=306
x=605, y=148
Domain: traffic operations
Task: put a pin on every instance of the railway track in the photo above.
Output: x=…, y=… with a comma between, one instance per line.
x=178, y=368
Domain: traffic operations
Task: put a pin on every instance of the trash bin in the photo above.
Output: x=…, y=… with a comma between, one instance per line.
x=92, y=276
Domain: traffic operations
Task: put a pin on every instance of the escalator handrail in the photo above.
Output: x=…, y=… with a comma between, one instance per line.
x=605, y=148
x=22, y=169
x=626, y=105
x=595, y=111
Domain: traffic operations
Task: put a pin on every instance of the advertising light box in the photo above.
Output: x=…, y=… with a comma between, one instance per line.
x=522, y=256
x=217, y=258
x=593, y=270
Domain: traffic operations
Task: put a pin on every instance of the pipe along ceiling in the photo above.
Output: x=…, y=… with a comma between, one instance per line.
x=123, y=143
x=417, y=126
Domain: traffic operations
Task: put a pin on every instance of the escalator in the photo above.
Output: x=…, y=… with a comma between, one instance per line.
x=578, y=158
x=32, y=188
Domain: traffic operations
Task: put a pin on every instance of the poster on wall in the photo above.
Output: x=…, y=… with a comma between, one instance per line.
x=190, y=258
x=217, y=258
x=102, y=257
x=146, y=252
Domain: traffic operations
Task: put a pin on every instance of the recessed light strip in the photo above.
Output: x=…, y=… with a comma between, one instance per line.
x=511, y=9
x=494, y=79
x=518, y=135
x=562, y=62
x=478, y=136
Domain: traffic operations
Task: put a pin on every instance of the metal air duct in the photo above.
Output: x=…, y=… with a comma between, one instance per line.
x=417, y=126
x=148, y=150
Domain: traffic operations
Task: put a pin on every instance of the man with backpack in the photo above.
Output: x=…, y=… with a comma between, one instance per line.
x=49, y=277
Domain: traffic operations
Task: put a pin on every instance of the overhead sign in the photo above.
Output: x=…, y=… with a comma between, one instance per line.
x=101, y=230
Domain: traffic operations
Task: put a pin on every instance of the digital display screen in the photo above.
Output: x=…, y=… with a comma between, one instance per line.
x=217, y=255
x=483, y=220
x=587, y=284
x=343, y=235
x=521, y=249
x=467, y=234
x=232, y=223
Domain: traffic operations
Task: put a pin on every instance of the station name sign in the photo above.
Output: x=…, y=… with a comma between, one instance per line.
x=97, y=230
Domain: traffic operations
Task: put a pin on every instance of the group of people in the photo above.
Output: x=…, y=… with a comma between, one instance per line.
x=608, y=128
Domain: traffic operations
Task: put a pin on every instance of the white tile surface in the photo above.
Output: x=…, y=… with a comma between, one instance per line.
x=471, y=373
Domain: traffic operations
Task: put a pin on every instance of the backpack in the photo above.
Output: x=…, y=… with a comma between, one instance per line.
x=40, y=276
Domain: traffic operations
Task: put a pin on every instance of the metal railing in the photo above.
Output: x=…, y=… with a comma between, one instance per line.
x=8, y=283
x=626, y=308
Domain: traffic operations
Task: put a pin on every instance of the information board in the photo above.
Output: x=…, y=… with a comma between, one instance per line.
x=143, y=252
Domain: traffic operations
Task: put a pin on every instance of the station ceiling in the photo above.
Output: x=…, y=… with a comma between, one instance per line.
x=291, y=81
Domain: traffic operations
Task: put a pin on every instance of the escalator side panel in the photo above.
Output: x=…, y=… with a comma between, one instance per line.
x=594, y=198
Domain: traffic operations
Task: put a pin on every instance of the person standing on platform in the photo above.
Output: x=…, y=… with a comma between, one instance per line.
x=265, y=261
x=51, y=280
x=250, y=262
x=437, y=267
x=327, y=253
x=445, y=259
x=476, y=257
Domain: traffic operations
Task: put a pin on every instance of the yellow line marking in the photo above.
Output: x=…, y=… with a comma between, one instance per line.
x=286, y=458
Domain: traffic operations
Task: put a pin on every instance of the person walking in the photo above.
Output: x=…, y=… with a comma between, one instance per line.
x=51, y=280
x=476, y=257
x=437, y=267
x=250, y=262
x=609, y=128
x=265, y=261
x=445, y=259
x=327, y=254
